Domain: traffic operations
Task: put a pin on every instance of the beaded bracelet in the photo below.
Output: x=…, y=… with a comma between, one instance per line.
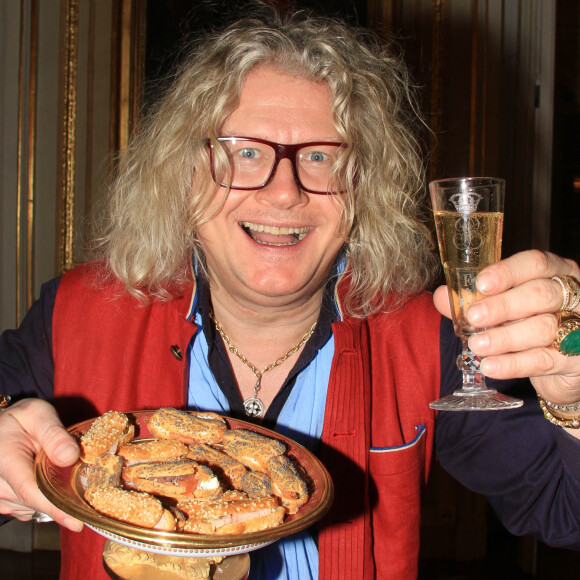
x=566, y=408
x=573, y=423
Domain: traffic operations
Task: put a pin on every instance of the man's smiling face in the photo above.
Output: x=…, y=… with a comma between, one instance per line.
x=278, y=241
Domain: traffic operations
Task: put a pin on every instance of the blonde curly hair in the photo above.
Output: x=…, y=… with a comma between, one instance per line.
x=148, y=234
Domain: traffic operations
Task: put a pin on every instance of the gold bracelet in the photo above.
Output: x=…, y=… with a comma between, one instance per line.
x=573, y=423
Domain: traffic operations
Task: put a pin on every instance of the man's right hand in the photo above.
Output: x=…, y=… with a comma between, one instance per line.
x=25, y=428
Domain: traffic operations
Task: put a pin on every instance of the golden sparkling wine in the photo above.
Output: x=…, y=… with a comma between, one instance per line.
x=468, y=242
x=468, y=214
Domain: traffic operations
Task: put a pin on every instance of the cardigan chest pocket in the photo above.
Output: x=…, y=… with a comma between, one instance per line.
x=397, y=476
x=403, y=458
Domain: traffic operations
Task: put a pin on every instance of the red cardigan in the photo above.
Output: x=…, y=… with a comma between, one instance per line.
x=111, y=352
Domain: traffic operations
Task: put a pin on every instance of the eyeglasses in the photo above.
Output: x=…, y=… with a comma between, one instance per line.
x=253, y=163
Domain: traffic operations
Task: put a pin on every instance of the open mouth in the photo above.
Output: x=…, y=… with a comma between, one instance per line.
x=274, y=235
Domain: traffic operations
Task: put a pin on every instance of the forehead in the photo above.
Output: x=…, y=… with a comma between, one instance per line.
x=281, y=106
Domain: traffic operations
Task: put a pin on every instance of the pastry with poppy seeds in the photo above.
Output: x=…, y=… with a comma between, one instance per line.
x=181, y=478
x=187, y=427
x=251, y=449
x=220, y=463
x=104, y=472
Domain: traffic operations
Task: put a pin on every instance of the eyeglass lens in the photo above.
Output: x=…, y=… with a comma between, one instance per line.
x=253, y=163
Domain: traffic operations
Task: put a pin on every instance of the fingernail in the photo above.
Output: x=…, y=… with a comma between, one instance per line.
x=488, y=367
x=485, y=282
x=478, y=342
x=476, y=314
x=73, y=525
x=66, y=452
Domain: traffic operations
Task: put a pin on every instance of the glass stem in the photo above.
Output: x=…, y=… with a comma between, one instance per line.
x=469, y=363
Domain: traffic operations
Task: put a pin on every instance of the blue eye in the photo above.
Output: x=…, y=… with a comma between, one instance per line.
x=248, y=153
x=317, y=156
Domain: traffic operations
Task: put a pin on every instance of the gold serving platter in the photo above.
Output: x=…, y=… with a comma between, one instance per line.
x=64, y=487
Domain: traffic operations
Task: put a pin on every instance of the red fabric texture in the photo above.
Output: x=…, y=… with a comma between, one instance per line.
x=376, y=534
x=407, y=359
x=111, y=352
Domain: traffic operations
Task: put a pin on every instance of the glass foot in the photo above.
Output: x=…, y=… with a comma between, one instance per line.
x=474, y=400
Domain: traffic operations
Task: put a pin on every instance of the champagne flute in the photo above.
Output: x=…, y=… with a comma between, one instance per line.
x=469, y=222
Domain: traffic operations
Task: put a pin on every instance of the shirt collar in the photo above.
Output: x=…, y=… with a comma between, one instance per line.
x=331, y=304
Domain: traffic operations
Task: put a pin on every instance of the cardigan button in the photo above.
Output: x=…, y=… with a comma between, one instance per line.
x=176, y=352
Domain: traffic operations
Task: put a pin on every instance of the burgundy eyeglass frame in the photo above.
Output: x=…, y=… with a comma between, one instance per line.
x=281, y=151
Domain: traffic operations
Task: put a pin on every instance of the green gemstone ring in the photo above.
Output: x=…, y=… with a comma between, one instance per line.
x=567, y=340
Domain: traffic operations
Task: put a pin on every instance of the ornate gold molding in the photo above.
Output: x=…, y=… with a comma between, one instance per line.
x=25, y=186
x=126, y=85
x=129, y=26
x=19, y=184
x=30, y=198
x=67, y=119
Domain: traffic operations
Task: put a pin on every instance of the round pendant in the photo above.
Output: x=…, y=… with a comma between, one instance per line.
x=254, y=407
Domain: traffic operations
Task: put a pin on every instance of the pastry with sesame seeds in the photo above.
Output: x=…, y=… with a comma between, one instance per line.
x=235, y=517
x=242, y=482
x=106, y=434
x=152, y=450
x=190, y=507
x=132, y=507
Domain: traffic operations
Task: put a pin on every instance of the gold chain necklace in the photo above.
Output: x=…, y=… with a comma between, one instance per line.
x=253, y=406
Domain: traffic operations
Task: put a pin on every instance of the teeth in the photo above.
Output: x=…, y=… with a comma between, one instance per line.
x=277, y=231
x=300, y=233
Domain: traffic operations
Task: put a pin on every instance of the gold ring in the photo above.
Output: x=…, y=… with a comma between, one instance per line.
x=567, y=340
x=5, y=400
x=570, y=290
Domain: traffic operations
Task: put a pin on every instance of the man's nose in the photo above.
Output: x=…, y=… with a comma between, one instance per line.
x=283, y=189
